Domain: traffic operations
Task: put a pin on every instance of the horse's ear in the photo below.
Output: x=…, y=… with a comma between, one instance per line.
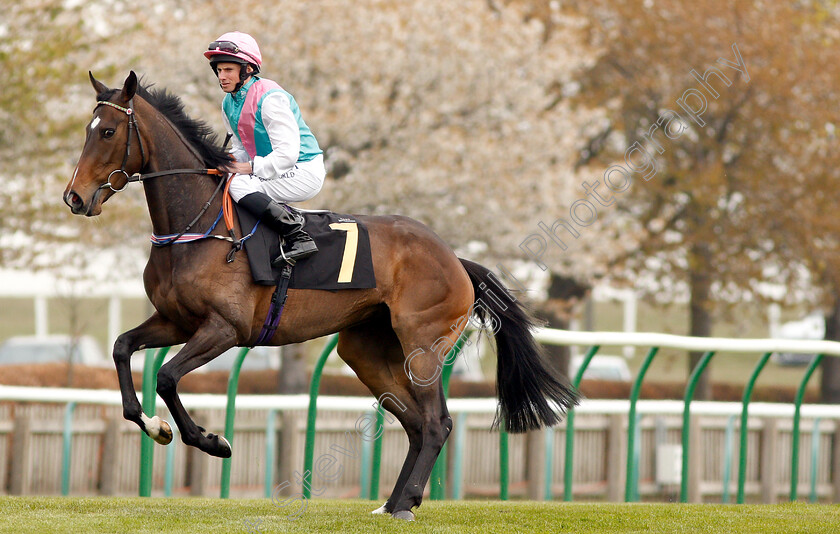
x=98, y=86
x=129, y=87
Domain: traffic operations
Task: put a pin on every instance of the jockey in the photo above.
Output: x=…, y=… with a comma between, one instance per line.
x=278, y=159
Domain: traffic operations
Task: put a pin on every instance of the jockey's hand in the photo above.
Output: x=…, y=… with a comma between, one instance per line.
x=239, y=167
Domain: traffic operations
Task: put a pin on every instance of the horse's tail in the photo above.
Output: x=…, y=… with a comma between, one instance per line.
x=530, y=394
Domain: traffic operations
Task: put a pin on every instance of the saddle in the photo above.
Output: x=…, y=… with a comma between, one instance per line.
x=343, y=260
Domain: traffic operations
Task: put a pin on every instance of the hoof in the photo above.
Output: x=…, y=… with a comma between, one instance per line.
x=158, y=429
x=225, y=445
x=220, y=446
x=165, y=434
x=380, y=510
x=405, y=515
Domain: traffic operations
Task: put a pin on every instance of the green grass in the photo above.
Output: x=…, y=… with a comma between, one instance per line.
x=186, y=516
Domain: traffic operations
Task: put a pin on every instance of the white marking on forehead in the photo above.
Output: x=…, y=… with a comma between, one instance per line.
x=94, y=123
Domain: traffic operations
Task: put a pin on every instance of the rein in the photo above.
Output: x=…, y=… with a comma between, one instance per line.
x=227, y=204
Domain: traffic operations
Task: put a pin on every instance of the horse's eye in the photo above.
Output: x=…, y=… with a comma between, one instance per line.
x=108, y=133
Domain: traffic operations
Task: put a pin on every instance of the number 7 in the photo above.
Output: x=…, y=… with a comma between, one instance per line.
x=348, y=261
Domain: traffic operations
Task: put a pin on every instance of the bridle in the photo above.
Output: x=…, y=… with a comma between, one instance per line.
x=132, y=126
x=138, y=177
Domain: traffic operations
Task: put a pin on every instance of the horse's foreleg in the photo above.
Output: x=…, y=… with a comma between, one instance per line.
x=212, y=339
x=154, y=332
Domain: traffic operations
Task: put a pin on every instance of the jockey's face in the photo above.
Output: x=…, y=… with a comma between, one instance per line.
x=228, y=74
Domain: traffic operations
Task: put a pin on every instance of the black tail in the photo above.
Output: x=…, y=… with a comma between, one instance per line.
x=530, y=394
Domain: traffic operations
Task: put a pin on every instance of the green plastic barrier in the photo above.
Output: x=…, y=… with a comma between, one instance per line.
x=631, y=484
x=312, y=414
x=270, y=448
x=727, y=457
x=67, y=447
x=364, y=468
x=568, y=469
x=504, y=463
x=437, y=482
x=815, y=459
x=458, y=457
x=376, y=462
x=686, y=431
x=745, y=402
x=151, y=366
x=797, y=419
x=169, y=475
x=230, y=415
x=548, y=491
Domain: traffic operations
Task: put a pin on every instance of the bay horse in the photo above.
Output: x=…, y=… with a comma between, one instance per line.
x=395, y=336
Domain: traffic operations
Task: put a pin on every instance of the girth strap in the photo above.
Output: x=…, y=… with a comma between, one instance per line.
x=275, y=311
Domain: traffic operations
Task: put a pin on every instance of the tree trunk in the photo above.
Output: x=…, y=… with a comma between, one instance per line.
x=293, y=377
x=563, y=295
x=830, y=382
x=559, y=357
x=700, y=318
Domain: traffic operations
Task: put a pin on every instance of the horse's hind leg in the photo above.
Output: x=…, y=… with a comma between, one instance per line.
x=435, y=427
x=427, y=329
x=373, y=351
x=213, y=338
x=154, y=332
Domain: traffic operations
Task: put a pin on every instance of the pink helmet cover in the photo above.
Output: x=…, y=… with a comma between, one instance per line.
x=249, y=50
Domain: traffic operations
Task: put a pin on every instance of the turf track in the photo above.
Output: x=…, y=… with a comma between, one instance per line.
x=186, y=516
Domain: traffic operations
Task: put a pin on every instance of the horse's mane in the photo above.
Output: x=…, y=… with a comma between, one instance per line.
x=197, y=132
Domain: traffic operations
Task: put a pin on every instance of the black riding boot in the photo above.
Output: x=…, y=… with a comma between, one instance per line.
x=289, y=224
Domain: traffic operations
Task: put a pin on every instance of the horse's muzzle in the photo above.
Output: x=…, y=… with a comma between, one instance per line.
x=74, y=200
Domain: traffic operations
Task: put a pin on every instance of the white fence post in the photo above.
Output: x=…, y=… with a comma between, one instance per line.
x=535, y=464
x=836, y=462
x=616, y=457
x=41, y=316
x=114, y=321
x=21, y=472
x=769, y=460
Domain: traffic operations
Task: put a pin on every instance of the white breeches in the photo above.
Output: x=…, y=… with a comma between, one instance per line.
x=301, y=182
